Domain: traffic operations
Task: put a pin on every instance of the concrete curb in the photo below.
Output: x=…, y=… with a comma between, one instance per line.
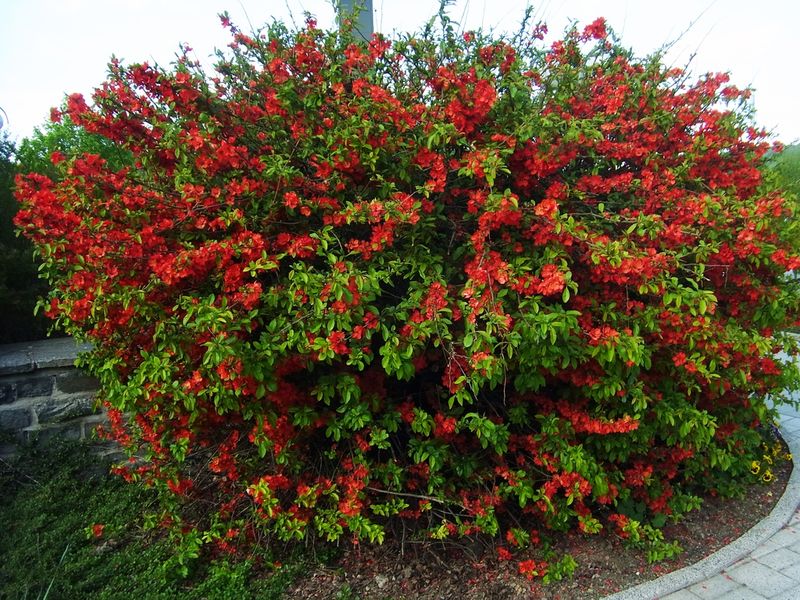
x=711, y=565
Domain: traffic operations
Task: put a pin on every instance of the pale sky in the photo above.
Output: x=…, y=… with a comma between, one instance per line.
x=49, y=48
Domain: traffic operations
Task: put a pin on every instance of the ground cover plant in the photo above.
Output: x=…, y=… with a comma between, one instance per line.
x=72, y=532
x=431, y=287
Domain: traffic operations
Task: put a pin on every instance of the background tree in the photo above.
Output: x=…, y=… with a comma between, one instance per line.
x=787, y=166
x=19, y=283
x=61, y=135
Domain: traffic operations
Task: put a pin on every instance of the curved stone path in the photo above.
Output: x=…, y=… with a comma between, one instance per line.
x=763, y=564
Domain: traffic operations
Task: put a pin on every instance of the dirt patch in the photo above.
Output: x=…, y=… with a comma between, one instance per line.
x=605, y=565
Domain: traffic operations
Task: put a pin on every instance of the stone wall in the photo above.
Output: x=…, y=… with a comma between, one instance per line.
x=43, y=395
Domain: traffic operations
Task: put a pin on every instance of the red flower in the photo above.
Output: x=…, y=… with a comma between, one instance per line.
x=444, y=427
x=336, y=340
x=553, y=281
x=531, y=569
x=595, y=30
x=291, y=200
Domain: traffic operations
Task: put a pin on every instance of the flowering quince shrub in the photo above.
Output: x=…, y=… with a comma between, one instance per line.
x=479, y=285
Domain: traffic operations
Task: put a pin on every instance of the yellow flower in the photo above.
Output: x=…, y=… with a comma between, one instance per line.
x=755, y=467
x=787, y=456
x=767, y=476
x=768, y=459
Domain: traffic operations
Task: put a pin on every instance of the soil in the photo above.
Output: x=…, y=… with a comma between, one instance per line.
x=605, y=565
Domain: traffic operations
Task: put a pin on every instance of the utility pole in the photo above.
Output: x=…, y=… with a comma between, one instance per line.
x=361, y=13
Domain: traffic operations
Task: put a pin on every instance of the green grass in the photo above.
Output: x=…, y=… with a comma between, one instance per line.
x=50, y=496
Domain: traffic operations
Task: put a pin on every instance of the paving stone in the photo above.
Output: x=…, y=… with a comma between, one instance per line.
x=788, y=536
x=780, y=559
x=740, y=594
x=792, y=594
x=794, y=547
x=764, y=548
x=739, y=563
x=791, y=425
x=712, y=588
x=783, y=407
x=793, y=572
x=680, y=595
x=761, y=579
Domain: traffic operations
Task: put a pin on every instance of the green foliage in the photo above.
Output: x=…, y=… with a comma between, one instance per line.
x=651, y=540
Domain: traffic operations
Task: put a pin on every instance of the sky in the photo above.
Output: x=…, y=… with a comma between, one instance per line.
x=50, y=48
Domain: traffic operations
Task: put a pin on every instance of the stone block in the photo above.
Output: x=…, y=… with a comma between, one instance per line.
x=57, y=411
x=8, y=393
x=16, y=358
x=66, y=431
x=35, y=386
x=14, y=419
x=76, y=381
x=57, y=352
